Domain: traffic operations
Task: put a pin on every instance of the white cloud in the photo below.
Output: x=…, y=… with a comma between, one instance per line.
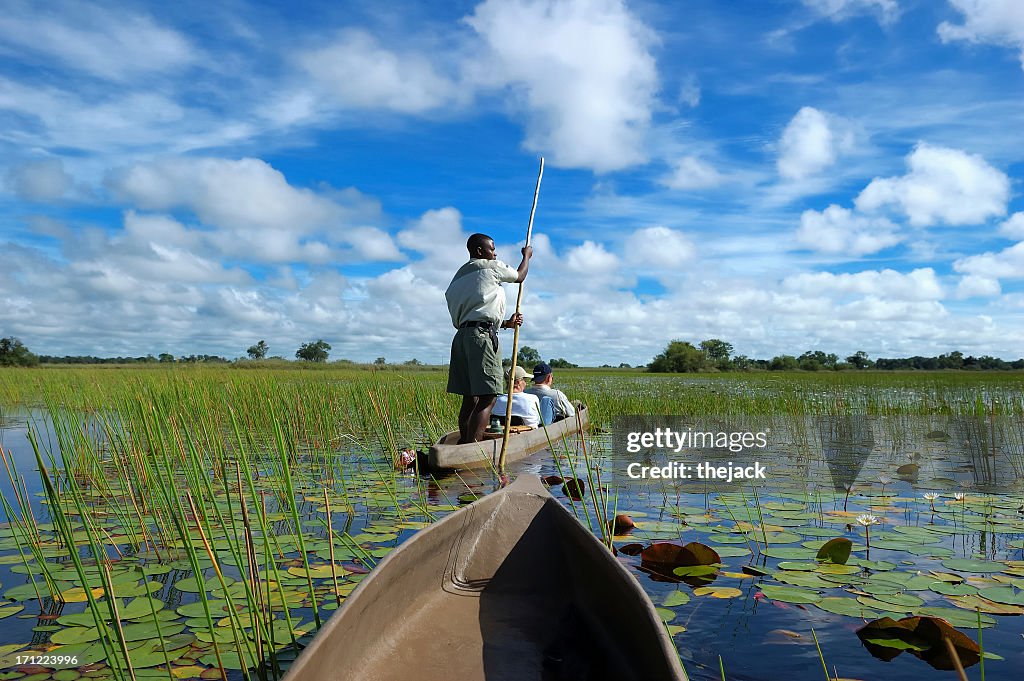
x=942, y=186
x=875, y=309
x=240, y=306
x=106, y=300
x=837, y=10
x=810, y=143
x=658, y=248
x=584, y=72
x=436, y=230
x=999, y=22
x=43, y=180
x=271, y=246
x=253, y=214
x=115, y=44
x=239, y=194
x=360, y=73
x=690, y=172
x=152, y=255
x=1013, y=227
x=106, y=122
x=372, y=244
x=141, y=230
x=1006, y=264
x=976, y=286
x=438, y=237
x=919, y=284
x=840, y=230
x=589, y=258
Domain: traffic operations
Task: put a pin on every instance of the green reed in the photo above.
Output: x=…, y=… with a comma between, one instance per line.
x=135, y=446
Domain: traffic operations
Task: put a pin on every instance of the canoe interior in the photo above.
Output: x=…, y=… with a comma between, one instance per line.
x=510, y=588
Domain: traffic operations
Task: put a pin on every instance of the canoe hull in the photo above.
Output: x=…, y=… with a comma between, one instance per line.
x=445, y=455
x=511, y=587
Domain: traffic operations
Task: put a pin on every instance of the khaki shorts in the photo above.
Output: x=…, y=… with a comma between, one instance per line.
x=475, y=367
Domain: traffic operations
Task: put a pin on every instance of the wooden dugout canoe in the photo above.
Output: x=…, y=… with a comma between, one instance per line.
x=511, y=588
x=448, y=455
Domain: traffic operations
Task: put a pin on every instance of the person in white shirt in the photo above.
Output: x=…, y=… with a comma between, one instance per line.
x=542, y=380
x=524, y=405
x=476, y=303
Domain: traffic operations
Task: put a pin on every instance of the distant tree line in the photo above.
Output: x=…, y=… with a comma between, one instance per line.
x=528, y=358
x=679, y=356
x=716, y=355
x=162, y=358
x=14, y=353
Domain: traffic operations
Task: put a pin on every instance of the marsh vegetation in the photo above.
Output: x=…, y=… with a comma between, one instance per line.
x=203, y=522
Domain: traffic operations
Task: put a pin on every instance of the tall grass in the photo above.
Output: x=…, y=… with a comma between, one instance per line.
x=224, y=469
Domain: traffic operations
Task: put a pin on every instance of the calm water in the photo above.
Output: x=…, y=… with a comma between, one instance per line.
x=803, y=500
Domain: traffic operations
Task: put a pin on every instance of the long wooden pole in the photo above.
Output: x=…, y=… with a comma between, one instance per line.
x=515, y=334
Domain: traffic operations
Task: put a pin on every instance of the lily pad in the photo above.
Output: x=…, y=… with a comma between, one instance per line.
x=77, y=594
x=8, y=610
x=976, y=603
x=948, y=589
x=968, y=565
x=790, y=594
x=808, y=579
x=717, y=591
x=925, y=637
x=319, y=571
x=190, y=585
x=695, y=570
x=850, y=607
x=838, y=569
x=870, y=602
x=790, y=553
x=836, y=550
x=731, y=551
x=670, y=555
x=957, y=617
x=665, y=614
x=141, y=608
x=896, y=601
x=677, y=598
x=73, y=635
x=1001, y=594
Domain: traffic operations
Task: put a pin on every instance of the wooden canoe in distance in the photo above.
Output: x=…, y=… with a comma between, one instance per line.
x=511, y=588
x=448, y=455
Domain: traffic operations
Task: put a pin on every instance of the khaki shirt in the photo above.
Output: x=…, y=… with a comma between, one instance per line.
x=475, y=293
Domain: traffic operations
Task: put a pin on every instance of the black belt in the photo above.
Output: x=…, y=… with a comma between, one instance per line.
x=490, y=327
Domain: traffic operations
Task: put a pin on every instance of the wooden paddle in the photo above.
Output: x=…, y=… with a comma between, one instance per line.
x=515, y=335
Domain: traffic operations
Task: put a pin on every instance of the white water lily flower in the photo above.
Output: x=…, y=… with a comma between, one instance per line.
x=959, y=496
x=930, y=496
x=866, y=519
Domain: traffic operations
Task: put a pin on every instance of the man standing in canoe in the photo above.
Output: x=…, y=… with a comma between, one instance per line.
x=476, y=303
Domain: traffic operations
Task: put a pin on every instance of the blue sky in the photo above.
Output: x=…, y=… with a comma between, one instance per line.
x=786, y=175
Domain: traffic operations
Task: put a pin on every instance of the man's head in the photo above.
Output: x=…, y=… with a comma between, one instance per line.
x=542, y=374
x=481, y=246
x=519, y=378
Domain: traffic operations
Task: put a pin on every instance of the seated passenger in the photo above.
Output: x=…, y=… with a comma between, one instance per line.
x=524, y=405
x=542, y=380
